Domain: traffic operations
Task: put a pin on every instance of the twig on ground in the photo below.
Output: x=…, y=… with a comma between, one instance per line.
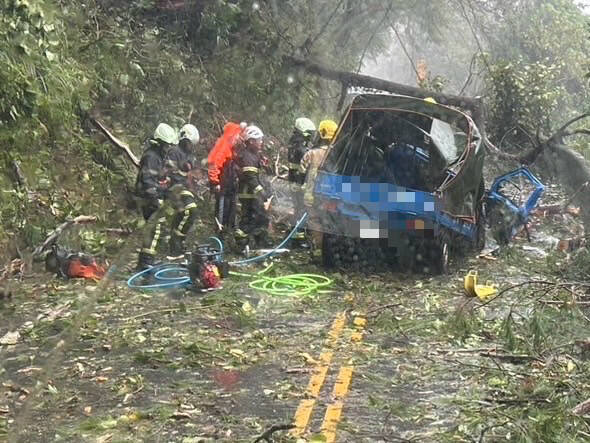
x=378, y=309
x=118, y=231
x=563, y=285
x=163, y=311
x=513, y=358
x=489, y=428
x=267, y=435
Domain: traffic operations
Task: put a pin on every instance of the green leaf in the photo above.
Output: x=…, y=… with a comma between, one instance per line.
x=51, y=56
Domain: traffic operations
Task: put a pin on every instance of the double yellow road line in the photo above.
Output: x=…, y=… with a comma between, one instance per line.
x=334, y=409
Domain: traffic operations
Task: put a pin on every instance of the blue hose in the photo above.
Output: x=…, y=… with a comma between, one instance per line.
x=270, y=253
x=218, y=257
x=168, y=282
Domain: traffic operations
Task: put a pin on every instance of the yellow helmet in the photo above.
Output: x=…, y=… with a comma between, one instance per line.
x=430, y=100
x=327, y=129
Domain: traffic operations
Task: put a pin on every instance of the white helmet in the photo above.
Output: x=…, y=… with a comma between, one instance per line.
x=165, y=133
x=305, y=126
x=190, y=133
x=252, y=132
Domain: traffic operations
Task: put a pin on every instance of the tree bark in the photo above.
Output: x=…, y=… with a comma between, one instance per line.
x=572, y=171
x=115, y=141
x=473, y=104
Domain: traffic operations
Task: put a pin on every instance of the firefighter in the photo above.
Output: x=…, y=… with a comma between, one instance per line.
x=310, y=164
x=180, y=161
x=151, y=187
x=223, y=175
x=254, y=197
x=313, y=158
x=299, y=143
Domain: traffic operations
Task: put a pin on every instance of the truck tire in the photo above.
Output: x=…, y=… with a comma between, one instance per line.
x=443, y=252
x=329, y=246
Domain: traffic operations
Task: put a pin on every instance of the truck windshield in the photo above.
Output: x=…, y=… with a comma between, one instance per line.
x=398, y=146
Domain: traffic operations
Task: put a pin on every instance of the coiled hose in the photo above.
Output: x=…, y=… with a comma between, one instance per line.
x=292, y=284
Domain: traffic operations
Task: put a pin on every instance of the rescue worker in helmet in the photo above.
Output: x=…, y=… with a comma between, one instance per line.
x=300, y=142
x=151, y=186
x=179, y=163
x=313, y=158
x=254, y=197
x=222, y=175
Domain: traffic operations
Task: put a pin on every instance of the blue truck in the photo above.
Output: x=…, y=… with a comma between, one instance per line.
x=402, y=184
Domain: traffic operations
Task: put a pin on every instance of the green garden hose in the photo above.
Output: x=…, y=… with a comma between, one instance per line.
x=288, y=285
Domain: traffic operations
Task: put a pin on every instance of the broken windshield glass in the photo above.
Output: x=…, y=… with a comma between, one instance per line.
x=398, y=146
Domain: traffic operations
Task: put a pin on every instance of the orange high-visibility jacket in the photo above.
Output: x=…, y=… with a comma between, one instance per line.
x=222, y=152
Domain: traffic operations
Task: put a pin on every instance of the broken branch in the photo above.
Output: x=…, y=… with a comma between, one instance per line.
x=52, y=237
x=366, y=81
x=267, y=435
x=582, y=408
x=115, y=141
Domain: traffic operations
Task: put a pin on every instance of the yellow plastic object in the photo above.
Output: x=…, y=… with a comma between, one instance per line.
x=483, y=292
x=469, y=283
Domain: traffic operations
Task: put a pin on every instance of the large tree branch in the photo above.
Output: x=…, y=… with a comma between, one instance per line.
x=115, y=141
x=473, y=104
x=577, y=132
x=561, y=132
x=349, y=78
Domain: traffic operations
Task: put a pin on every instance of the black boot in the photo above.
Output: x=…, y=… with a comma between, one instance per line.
x=262, y=241
x=176, y=246
x=145, y=261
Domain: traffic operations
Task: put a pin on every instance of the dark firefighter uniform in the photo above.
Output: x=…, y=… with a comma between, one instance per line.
x=178, y=165
x=252, y=195
x=151, y=186
x=298, y=145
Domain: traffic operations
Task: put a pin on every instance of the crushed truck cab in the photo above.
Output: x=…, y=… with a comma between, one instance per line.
x=402, y=180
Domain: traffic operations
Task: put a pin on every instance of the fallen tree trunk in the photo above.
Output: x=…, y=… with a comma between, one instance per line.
x=572, y=171
x=366, y=81
x=473, y=104
x=115, y=141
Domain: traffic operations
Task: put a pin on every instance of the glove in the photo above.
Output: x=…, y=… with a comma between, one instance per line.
x=267, y=203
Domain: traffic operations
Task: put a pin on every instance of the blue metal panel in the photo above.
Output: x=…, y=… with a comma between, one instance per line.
x=523, y=212
x=390, y=205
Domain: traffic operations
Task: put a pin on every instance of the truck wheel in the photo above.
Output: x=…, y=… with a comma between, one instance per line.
x=442, y=257
x=329, y=246
x=480, y=223
x=441, y=252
